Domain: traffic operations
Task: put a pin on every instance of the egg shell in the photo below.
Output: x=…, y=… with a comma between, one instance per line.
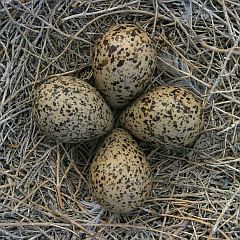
x=70, y=110
x=167, y=115
x=120, y=175
x=124, y=60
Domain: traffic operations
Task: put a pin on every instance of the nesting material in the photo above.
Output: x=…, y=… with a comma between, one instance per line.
x=44, y=192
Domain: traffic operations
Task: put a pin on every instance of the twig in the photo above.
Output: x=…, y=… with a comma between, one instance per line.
x=214, y=228
x=85, y=14
x=58, y=185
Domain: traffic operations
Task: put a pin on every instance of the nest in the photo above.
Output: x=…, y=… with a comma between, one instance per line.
x=44, y=191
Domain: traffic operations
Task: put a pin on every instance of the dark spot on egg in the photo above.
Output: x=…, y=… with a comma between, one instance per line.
x=120, y=63
x=112, y=49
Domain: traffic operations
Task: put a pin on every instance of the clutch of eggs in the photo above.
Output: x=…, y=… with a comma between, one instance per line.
x=120, y=175
x=123, y=62
x=68, y=109
x=167, y=115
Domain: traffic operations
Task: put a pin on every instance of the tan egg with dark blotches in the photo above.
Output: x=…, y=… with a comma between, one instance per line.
x=120, y=175
x=123, y=62
x=166, y=115
x=68, y=109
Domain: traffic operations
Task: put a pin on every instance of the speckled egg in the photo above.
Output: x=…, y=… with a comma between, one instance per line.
x=120, y=175
x=70, y=110
x=123, y=62
x=166, y=115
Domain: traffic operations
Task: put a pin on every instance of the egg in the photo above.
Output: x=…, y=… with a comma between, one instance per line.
x=123, y=62
x=167, y=115
x=120, y=175
x=68, y=109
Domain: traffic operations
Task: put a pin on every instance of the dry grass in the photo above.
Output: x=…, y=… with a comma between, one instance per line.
x=43, y=185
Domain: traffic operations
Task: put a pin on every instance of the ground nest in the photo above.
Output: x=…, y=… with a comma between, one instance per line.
x=44, y=191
